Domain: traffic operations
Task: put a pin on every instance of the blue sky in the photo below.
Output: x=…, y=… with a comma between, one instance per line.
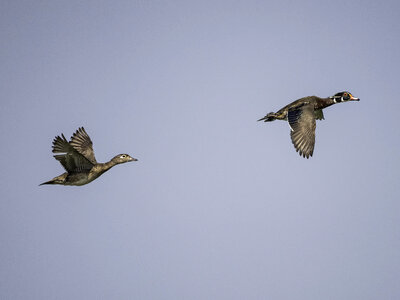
x=218, y=206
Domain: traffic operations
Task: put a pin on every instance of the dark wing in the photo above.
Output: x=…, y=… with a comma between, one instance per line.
x=71, y=160
x=302, y=124
x=74, y=163
x=61, y=145
x=82, y=143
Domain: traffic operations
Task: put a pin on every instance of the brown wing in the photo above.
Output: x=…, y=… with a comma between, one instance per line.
x=61, y=145
x=302, y=123
x=74, y=163
x=82, y=143
x=71, y=159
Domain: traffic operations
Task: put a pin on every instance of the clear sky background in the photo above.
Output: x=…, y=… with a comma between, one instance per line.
x=218, y=206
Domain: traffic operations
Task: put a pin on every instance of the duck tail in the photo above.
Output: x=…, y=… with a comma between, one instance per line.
x=269, y=117
x=49, y=182
x=57, y=180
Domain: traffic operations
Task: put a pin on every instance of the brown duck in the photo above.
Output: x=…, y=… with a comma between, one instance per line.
x=78, y=160
x=301, y=115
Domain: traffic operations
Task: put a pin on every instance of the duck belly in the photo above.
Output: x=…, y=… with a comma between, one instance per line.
x=77, y=179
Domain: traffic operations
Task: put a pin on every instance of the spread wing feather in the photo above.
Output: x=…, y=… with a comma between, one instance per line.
x=302, y=123
x=71, y=159
x=82, y=143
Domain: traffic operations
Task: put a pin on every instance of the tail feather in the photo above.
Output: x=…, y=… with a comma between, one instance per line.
x=269, y=117
x=48, y=182
x=56, y=180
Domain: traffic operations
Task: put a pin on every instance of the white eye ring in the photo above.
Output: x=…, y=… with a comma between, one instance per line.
x=123, y=156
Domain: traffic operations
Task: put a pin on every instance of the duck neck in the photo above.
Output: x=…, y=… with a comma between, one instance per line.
x=101, y=168
x=335, y=100
x=108, y=165
x=324, y=102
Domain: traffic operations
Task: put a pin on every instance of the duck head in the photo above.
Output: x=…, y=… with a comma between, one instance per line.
x=122, y=158
x=343, y=97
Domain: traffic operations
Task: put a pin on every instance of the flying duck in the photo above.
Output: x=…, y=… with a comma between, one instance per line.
x=78, y=160
x=301, y=115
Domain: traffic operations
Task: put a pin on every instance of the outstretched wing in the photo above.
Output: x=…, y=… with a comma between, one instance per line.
x=61, y=145
x=74, y=163
x=82, y=143
x=71, y=159
x=302, y=124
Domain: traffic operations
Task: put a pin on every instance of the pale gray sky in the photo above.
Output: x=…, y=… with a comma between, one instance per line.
x=218, y=206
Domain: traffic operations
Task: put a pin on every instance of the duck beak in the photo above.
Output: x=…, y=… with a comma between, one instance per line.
x=133, y=159
x=354, y=98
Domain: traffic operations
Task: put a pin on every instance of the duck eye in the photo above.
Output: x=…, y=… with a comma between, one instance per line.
x=123, y=156
x=346, y=96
